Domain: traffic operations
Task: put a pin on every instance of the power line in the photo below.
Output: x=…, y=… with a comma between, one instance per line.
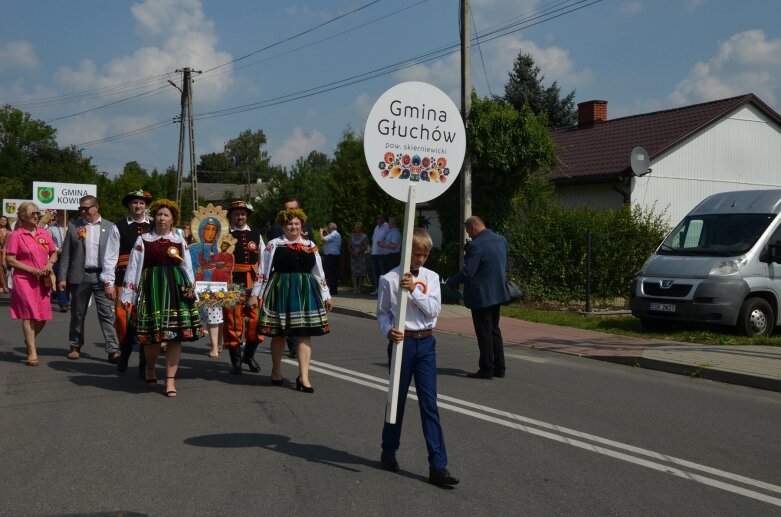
x=378, y=72
x=135, y=85
x=121, y=101
x=302, y=33
x=525, y=22
x=105, y=91
x=316, y=42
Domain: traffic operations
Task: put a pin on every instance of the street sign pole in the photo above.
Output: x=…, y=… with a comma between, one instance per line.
x=401, y=309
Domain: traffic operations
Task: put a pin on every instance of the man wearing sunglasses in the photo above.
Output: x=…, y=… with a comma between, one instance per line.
x=81, y=265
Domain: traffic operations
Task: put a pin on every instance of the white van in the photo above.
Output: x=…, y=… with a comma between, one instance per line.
x=720, y=265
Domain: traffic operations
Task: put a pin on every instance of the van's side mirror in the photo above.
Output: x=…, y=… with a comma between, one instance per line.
x=771, y=253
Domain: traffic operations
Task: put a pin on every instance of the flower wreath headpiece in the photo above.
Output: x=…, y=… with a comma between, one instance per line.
x=288, y=214
x=166, y=203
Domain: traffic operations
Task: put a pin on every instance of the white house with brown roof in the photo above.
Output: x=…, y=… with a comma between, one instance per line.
x=695, y=151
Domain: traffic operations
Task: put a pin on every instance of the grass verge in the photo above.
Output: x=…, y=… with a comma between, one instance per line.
x=630, y=326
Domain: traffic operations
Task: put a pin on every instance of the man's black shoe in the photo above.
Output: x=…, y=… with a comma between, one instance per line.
x=441, y=478
x=499, y=374
x=480, y=374
x=124, y=357
x=389, y=462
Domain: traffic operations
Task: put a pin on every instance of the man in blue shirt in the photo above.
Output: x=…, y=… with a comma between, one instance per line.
x=391, y=244
x=332, y=248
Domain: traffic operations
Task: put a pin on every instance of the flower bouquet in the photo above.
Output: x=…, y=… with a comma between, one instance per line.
x=224, y=298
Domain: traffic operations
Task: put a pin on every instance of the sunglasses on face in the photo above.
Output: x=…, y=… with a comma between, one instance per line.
x=85, y=208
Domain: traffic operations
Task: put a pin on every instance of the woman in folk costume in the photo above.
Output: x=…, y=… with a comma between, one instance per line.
x=294, y=295
x=159, y=281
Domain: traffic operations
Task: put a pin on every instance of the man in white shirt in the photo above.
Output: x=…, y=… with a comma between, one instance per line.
x=378, y=252
x=332, y=248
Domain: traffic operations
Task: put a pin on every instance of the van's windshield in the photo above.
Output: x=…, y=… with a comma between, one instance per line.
x=720, y=235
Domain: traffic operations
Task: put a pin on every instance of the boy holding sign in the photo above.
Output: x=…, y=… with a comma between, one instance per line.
x=418, y=356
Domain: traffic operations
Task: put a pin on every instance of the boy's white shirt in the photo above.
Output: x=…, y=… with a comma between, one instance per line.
x=423, y=304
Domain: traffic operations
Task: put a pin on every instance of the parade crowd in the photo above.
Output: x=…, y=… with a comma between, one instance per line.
x=144, y=276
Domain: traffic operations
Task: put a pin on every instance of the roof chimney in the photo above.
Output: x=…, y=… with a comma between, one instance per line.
x=591, y=112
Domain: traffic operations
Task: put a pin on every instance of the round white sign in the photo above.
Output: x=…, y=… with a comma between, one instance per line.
x=414, y=136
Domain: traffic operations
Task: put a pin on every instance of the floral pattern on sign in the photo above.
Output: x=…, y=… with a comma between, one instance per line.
x=414, y=168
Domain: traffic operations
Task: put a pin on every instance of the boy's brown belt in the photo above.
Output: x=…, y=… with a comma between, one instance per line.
x=418, y=334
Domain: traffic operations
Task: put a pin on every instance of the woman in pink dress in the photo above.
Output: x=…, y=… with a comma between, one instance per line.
x=31, y=253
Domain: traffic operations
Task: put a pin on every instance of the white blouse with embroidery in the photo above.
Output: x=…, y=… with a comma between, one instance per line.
x=136, y=264
x=267, y=259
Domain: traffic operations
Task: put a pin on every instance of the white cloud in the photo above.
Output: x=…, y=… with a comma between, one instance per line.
x=17, y=55
x=631, y=8
x=178, y=35
x=85, y=129
x=298, y=145
x=747, y=62
x=695, y=4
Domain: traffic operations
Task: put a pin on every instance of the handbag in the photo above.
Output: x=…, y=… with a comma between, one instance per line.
x=49, y=280
x=516, y=293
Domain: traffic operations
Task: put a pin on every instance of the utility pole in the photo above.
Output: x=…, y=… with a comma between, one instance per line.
x=186, y=115
x=466, y=105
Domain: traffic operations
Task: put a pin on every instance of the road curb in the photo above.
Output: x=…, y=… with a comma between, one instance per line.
x=700, y=372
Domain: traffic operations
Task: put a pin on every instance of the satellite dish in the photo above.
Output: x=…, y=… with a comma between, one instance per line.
x=639, y=161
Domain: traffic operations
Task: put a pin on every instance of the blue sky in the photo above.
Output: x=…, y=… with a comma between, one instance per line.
x=639, y=55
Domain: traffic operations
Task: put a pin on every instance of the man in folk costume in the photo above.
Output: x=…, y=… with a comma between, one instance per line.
x=120, y=243
x=249, y=245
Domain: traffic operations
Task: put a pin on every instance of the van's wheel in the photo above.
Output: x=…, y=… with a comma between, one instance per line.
x=756, y=318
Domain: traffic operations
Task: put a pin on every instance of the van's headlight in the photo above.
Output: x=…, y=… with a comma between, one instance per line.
x=730, y=266
x=645, y=265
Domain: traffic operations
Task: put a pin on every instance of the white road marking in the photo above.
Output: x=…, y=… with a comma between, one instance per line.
x=526, y=358
x=562, y=435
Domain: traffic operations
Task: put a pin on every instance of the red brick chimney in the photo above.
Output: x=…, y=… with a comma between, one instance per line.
x=591, y=112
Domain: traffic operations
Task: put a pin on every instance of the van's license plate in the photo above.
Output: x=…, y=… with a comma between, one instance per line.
x=662, y=307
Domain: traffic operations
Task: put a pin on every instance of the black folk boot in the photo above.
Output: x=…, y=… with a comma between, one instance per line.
x=249, y=357
x=141, y=363
x=235, y=353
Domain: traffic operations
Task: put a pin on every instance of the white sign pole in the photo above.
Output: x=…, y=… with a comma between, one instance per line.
x=401, y=310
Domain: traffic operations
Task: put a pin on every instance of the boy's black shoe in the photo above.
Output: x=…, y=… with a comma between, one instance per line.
x=389, y=462
x=441, y=478
x=480, y=374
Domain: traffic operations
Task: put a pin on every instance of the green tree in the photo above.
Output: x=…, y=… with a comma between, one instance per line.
x=212, y=166
x=22, y=140
x=246, y=150
x=356, y=196
x=506, y=147
x=525, y=88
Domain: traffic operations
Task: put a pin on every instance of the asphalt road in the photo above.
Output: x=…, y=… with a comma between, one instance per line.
x=559, y=436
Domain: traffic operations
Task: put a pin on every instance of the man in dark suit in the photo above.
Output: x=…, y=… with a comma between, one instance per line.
x=483, y=276
x=80, y=268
